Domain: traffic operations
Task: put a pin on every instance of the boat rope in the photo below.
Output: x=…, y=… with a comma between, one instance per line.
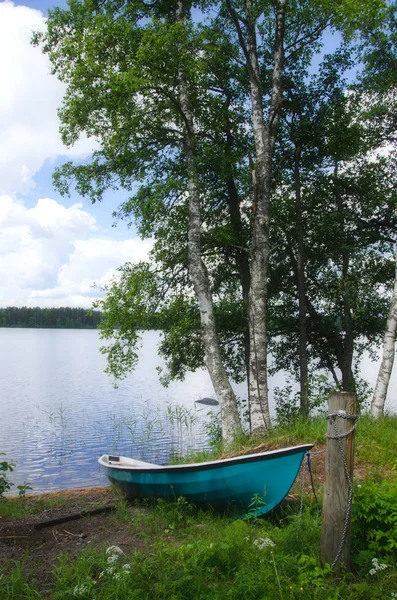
x=309, y=467
x=302, y=491
x=338, y=437
x=317, y=452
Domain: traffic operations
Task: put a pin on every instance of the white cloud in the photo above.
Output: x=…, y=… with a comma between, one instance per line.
x=49, y=257
x=29, y=100
x=50, y=254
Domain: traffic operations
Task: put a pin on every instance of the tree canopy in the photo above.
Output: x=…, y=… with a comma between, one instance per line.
x=252, y=172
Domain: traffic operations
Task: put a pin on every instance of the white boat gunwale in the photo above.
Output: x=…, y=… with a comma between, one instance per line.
x=130, y=464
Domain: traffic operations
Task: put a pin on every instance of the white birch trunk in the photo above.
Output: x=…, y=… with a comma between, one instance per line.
x=386, y=366
x=231, y=424
x=264, y=138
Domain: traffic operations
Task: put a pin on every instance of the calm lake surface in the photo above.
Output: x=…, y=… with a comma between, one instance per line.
x=59, y=411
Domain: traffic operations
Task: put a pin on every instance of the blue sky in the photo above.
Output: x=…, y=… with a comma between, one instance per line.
x=52, y=249
x=41, y=5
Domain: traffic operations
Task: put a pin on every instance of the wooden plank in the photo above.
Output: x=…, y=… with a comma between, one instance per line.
x=336, y=489
x=73, y=517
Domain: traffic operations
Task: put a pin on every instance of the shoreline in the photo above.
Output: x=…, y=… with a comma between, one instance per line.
x=67, y=492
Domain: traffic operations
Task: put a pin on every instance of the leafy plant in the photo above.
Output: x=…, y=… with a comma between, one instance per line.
x=22, y=489
x=213, y=428
x=287, y=407
x=312, y=573
x=256, y=504
x=5, y=483
x=375, y=516
x=287, y=402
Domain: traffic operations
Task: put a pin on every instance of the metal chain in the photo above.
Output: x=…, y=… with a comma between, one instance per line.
x=343, y=415
x=339, y=436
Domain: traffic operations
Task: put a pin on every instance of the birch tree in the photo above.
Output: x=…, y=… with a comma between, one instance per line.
x=229, y=413
x=264, y=132
x=386, y=365
x=379, y=82
x=254, y=21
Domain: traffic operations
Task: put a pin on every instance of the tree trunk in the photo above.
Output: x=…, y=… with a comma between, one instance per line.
x=386, y=366
x=264, y=139
x=348, y=383
x=242, y=260
x=303, y=336
x=346, y=360
x=229, y=414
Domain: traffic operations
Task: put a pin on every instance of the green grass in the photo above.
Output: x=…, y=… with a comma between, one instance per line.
x=208, y=557
x=14, y=507
x=196, y=456
x=14, y=587
x=376, y=439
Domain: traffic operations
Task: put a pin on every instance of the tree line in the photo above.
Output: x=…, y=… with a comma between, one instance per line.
x=51, y=318
x=266, y=178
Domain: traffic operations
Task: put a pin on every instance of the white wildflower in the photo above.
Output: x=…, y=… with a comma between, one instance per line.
x=117, y=576
x=80, y=590
x=377, y=566
x=126, y=568
x=114, y=550
x=112, y=558
x=108, y=571
x=261, y=543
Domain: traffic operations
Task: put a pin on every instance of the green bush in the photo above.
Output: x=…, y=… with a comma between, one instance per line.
x=374, y=516
x=5, y=483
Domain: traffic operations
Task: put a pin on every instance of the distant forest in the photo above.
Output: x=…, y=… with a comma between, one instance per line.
x=52, y=318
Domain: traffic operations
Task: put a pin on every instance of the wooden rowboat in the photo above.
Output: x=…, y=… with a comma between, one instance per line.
x=220, y=483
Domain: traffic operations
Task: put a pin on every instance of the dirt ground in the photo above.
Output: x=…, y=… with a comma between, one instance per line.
x=21, y=541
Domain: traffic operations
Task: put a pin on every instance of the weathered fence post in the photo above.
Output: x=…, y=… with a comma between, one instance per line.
x=335, y=534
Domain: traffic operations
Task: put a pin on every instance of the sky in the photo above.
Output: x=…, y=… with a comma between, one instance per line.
x=53, y=250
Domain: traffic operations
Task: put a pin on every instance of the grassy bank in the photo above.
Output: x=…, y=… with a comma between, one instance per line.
x=176, y=552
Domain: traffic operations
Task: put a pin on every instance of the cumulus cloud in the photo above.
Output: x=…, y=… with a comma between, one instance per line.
x=50, y=257
x=29, y=100
x=93, y=261
x=50, y=254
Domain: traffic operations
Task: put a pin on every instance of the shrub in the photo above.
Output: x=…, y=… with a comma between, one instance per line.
x=374, y=516
x=5, y=483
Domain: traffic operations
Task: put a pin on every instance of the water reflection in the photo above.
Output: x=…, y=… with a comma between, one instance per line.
x=60, y=412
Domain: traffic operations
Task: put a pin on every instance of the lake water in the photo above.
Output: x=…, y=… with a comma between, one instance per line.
x=59, y=411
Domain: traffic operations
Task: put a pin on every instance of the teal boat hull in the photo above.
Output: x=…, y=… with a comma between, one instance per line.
x=232, y=482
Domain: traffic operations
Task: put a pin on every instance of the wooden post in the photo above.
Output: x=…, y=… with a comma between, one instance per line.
x=337, y=485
